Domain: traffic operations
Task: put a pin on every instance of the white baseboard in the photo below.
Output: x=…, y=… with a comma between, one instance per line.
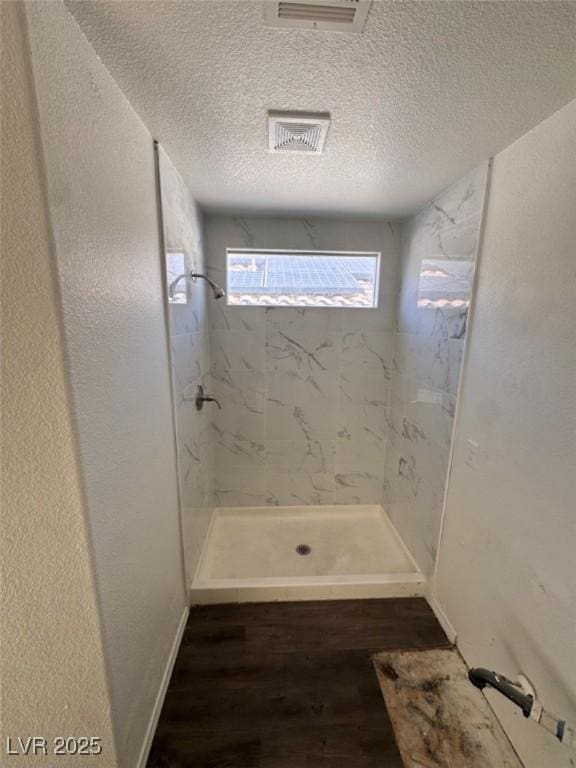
x=159, y=703
x=443, y=620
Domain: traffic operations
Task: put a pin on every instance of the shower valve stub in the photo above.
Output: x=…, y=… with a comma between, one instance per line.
x=201, y=398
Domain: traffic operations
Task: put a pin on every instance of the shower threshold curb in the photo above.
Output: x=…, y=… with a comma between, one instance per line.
x=248, y=591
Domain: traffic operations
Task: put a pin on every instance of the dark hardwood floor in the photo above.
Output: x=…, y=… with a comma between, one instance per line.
x=287, y=685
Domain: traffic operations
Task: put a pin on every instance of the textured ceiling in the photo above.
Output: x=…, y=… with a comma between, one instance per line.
x=429, y=90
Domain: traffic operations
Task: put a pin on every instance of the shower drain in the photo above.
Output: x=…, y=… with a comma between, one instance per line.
x=303, y=549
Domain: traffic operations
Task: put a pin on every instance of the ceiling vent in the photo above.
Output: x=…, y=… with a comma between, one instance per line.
x=333, y=15
x=297, y=132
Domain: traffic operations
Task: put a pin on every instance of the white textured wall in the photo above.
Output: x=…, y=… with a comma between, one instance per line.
x=506, y=577
x=304, y=391
x=431, y=329
x=52, y=670
x=190, y=355
x=101, y=191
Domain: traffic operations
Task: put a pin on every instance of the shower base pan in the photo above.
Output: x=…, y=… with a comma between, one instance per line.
x=261, y=554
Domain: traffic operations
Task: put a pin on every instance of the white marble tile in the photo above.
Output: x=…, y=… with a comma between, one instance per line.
x=195, y=524
x=188, y=318
x=407, y=360
x=361, y=438
x=296, y=488
x=352, y=486
x=319, y=388
x=245, y=231
x=308, y=371
x=188, y=324
x=430, y=409
x=379, y=319
x=240, y=487
x=427, y=362
x=301, y=408
x=316, y=456
x=241, y=394
x=427, y=460
x=237, y=420
x=225, y=318
x=237, y=351
x=448, y=323
x=457, y=242
x=191, y=423
x=288, y=319
x=402, y=483
x=245, y=389
x=217, y=272
x=370, y=351
x=382, y=317
x=443, y=234
x=196, y=471
x=434, y=361
x=416, y=510
x=302, y=352
x=301, y=233
x=290, y=421
x=361, y=387
x=459, y=202
x=234, y=449
x=455, y=354
x=190, y=360
x=414, y=315
x=426, y=415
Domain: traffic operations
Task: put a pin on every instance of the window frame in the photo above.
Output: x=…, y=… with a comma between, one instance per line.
x=312, y=253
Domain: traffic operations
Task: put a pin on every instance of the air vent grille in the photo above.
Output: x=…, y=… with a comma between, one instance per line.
x=296, y=137
x=332, y=15
x=316, y=12
x=297, y=132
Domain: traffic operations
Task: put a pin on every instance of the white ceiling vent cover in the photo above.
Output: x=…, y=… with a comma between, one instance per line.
x=300, y=132
x=333, y=15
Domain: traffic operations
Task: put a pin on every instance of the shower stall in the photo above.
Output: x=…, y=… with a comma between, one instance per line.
x=317, y=465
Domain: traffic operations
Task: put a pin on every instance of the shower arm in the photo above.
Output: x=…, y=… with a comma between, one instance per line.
x=216, y=289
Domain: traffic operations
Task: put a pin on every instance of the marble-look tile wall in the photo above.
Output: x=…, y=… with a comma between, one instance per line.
x=304, y=391
x=428, y=346
x=190, y=351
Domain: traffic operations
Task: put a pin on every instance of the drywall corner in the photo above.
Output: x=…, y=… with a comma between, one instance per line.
x=52, y=666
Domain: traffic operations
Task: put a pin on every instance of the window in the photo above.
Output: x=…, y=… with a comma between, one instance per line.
x=302, y=278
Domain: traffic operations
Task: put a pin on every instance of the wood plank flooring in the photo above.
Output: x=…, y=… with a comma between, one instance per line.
x=287, y=685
